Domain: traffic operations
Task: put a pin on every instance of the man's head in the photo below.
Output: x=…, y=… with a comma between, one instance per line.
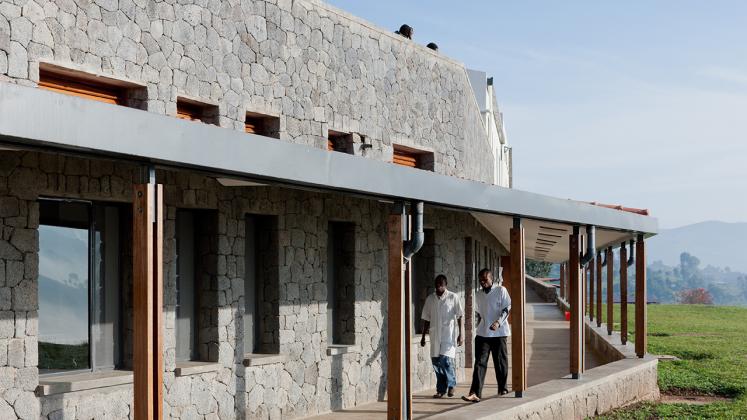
x=485, y=277
x=406, y=31
x=441, y=282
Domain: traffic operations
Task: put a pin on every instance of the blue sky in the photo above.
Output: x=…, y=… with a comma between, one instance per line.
x=637, y=103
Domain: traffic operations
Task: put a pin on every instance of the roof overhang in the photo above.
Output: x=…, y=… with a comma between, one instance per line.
x=37, y=118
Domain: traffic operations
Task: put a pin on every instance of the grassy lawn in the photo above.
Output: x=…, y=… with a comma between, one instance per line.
x=712, y=343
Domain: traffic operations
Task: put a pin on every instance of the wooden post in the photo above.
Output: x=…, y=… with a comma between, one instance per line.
x=610, y=290
x=575, y=296
x=562, y=280
x=395, y=305
x=599, y=289
x=508, y=280
x=518, y=322
x=640, y=298
x=147, y=292
x=591, y=289
x=624, y=293
x=469, y=311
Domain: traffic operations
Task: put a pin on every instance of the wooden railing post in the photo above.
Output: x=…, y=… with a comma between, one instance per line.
x=395, y=305
x=575, y=289
x=518, y=322
x=562, y=281
x=147, y=305
x=610, y=291
x=599, y=289
x=624, y=293
x=640, y=298
x=469, y=286
x=591, y=289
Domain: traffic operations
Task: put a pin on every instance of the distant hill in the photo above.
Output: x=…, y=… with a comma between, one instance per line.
x=719, y=244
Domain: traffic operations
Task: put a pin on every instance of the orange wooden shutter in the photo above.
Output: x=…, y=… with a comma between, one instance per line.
x=187, y=111
x=254, y=125
x=405, y=158
x=81, y=88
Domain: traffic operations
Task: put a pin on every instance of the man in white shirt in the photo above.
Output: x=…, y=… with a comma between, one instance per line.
x=493, y=306
x=443, y=311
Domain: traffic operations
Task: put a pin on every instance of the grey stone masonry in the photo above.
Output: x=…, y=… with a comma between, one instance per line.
x=306, y=380
x=316, y=67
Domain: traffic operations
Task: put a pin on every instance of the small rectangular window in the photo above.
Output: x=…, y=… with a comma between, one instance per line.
x=339, y=142
x=191, y=110
x=341, y=283
x=96, y=88
x=263, y=125
x=413, y=158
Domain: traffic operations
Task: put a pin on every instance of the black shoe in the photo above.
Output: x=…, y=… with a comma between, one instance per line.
x=451, y=392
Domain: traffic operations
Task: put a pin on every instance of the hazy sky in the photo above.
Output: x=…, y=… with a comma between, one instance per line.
x=636, y=103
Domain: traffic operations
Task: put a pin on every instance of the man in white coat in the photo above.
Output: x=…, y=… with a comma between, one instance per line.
x=493, y=306
x=442, y=318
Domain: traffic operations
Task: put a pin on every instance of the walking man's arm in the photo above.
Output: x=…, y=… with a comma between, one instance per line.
x=426, y=327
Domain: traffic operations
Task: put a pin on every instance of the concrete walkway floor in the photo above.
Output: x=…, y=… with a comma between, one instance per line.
x=548, y=357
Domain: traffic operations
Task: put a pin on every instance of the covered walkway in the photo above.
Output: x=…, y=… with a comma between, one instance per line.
x=547, y=339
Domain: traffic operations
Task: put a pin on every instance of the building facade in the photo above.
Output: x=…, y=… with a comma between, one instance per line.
x=274, y=298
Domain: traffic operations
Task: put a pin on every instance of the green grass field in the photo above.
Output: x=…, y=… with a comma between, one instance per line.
x=711, y=342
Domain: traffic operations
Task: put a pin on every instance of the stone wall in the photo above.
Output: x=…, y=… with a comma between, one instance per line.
x=316, y=67
x=308, y=381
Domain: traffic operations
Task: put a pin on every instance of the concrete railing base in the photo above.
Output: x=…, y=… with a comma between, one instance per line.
x=599, y=390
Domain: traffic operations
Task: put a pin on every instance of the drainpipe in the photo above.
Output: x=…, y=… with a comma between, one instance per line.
x=417, y=237
x=590, y=245
x=631, y=256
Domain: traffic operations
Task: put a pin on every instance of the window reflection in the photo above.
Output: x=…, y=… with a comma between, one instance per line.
x=63, y=297
x=63, y=286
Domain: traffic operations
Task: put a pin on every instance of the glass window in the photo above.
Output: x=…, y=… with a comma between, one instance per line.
x=79, y=287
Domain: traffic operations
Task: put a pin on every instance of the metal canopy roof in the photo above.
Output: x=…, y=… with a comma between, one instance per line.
x=80, y=125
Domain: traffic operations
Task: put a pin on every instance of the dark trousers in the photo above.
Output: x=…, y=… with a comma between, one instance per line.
x=484, y=346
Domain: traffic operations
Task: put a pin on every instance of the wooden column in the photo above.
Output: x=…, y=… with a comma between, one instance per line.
x=147, y=294
x=395, y=308
x=518, y=322
x=591, y=289
x=583, y=291
x=640, y=298
x=599, y=288
x=469, y=311
x=575, y=295
x=624, y=293
x=506, y=264
x=610, y=290
x=562, y=280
